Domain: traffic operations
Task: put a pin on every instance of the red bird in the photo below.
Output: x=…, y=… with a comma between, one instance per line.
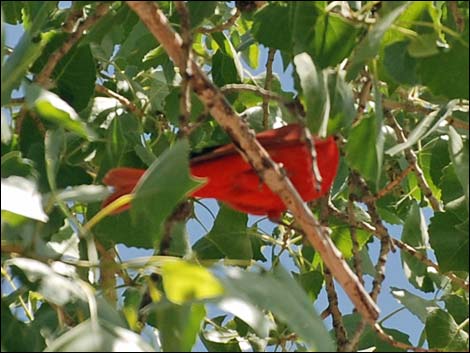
x=233, y=181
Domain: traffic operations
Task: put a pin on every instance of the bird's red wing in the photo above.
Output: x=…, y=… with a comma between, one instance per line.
x=229, y=178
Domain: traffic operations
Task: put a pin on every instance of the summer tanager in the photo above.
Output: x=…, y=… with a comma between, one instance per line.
x=233, y=181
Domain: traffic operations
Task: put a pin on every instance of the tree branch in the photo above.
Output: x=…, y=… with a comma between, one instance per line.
x=257, y=156
x=338, y=326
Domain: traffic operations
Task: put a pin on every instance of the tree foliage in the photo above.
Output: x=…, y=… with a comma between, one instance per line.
x=87, y=88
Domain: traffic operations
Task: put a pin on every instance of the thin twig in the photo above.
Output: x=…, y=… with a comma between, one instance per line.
x=410, y=156
x=121, y=99
x=337, y=317
x=221, y=27
x=457, y=15
x=267, y=85
x=390, y=186
x=57, y=55
x=256, y=155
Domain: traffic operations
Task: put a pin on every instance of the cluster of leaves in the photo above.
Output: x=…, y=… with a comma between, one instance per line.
x=64, y=288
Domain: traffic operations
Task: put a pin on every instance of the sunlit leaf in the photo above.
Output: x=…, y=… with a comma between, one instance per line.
x=185, y=282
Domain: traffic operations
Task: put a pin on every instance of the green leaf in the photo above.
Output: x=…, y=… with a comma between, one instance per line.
x=302, y=19
x=341, y=96
x=399, y=64
x=423, y=46
x=450, y=184
x=251, y=56
x=51, y=107
x=334, y=39
x=184, y=282
x=279, y=293
x=311, y=282
x=443, y=332
x=449, y=242
x=315, y=92
x=457, y=306
x=458, y=150
x=199, y=11
x=224, y=70
x=439, y=160
x=20, y=196
x=120, y=229
x=54, y=145
x=229, y=236
x=135, y=46
x=162, y=187
x=418, y=306
x=89, y=336
x=278, y=36
x=178, y=325
x=445, y=72
x=369, y=46
x=342, y=238
x=74, y=75
x=28, y=49
x=415, y=234
x=361, y=152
